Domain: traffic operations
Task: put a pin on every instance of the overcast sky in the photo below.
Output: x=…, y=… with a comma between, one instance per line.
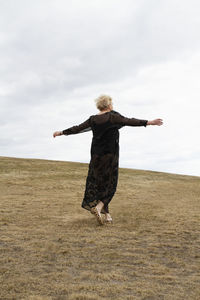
x=56, y=57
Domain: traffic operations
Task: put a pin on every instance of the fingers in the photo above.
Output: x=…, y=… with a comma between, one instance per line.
x=159, y=122
x=55, y=134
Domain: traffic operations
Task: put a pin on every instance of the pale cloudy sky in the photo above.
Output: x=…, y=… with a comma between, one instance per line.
x=58, y=56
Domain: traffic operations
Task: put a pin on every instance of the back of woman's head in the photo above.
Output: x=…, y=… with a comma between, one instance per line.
x=103, y=102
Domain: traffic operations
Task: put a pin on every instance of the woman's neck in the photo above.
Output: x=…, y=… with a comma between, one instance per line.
x=104, y=111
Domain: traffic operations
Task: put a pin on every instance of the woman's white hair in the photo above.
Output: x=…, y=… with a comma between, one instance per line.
x=103, y=101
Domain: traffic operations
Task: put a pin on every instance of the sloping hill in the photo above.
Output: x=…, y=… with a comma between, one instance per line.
x=50, y=248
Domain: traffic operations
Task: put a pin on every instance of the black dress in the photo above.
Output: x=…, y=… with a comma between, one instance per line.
x=102, y=176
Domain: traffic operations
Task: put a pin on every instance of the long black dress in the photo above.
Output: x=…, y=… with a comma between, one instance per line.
x=102, y=176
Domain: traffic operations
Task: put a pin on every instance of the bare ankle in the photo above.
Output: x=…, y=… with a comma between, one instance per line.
x=108, y=216
x=100, y=206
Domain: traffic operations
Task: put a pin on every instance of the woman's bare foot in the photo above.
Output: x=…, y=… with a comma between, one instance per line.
x=108, y=218
x=97, y=212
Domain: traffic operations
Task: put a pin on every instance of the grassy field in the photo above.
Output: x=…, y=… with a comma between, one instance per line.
x=50, y=248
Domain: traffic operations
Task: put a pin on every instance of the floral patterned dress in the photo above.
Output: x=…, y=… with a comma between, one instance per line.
x=101, y=182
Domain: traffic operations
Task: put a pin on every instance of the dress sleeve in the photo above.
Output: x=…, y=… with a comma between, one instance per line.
x=83, y=127
x=123, y=121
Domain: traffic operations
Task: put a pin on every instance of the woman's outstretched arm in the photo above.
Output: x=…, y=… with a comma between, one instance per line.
x=83, y=127
x=123, y=121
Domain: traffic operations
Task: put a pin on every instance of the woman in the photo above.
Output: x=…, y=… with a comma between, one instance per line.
x=102, y=176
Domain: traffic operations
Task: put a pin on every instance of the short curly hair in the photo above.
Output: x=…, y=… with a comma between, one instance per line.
x=103, y=101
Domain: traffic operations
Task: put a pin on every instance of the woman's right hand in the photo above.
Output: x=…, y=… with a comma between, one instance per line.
x=57, y=133
x=155, y=122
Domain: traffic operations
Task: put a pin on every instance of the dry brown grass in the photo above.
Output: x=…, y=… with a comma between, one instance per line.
x=50, y=248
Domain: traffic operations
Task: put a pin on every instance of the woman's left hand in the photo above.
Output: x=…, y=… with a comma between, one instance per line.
x=57, y=133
